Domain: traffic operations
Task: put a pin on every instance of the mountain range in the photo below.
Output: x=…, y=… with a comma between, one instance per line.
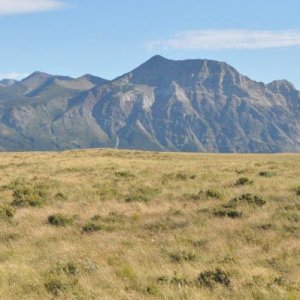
x=163, y=105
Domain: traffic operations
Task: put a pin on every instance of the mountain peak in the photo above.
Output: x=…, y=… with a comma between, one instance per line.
x=281, y=82
x=157, y=58
x=160, y=71
x=37, y=74
x=281, y=86
x=35, y=80
x=93, y=79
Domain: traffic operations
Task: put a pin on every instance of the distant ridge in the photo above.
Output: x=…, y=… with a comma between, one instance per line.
x=7, y=82
x=163, y=105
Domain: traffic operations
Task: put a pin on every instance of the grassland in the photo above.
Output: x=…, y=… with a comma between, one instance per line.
x=105, y=224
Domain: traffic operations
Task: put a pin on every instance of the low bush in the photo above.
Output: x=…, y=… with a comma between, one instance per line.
x=70, y=269
x=200, y=243
x=60, y=197
x=124, y=174
x=247, y=198
x=111, y=218
x=182, y=176
x=267, y=174
x=62, y=278
x=178, y=176
x=193, y=197
x=25, y=195
x=55, y=286
x=60, y=220
x=141, y=195
x=91, y=227
x=176, y=280
x=233, y=214
x=210, y=278
x=166, y=225
x=105, y=223
x=243, y=181
x=202, y=195
x=182, y=256
x=213, y=194
x=6, y=213
x=152, y=290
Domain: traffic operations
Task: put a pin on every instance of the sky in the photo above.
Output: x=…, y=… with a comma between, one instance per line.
x=108, y=38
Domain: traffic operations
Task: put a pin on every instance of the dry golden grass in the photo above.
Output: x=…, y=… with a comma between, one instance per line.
x=165, y=226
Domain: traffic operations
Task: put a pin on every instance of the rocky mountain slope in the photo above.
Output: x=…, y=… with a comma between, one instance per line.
x=165, y=105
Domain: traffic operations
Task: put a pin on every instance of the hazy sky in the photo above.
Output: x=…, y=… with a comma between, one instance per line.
x=261, y=38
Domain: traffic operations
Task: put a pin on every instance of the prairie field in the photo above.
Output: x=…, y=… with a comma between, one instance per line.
x=110, y=224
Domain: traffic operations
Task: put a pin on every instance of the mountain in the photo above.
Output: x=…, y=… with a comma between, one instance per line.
x=7, y=82
x=163, y=105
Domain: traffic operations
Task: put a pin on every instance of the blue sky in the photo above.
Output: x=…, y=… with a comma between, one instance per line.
x=110, y=37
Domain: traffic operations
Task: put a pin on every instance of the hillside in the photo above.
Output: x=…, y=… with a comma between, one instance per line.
x=110, y=224
x=163, y=105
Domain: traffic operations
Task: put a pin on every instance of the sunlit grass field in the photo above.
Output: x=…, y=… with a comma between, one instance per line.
x=108, y=224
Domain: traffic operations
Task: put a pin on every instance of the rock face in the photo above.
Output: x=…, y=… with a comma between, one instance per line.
x=164, y=105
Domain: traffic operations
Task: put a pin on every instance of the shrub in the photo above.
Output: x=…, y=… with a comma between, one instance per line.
x=91, y=227
x=128, y=272
x=6, y=213
x=60, y=197
x=247, y=198
x=70, y=269
x=200, y=243
x=96, y=218
x=62, y=278
x=177, y=280
x=104, y=223
x=26, y=203
x=182, y=256
x=194, y=197
x=213, y=194
x=265, y=226
x=141, y=195
x=28, y=195
x=210, y=278
x=233, y=214
x=166, y=225
x=137, y=198
x=6, y=237
x=178, y=176
x=112, y=218
x=55, y=286
x=60, y=220
x=243, y=181
x=267, y=174
x=203, y=195
x=182, y=176
x=279, y=280
x=124, y=174
x=152, y=289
